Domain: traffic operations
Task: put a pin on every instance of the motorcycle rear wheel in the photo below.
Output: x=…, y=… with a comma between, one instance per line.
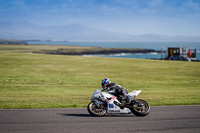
x=94, y=110
x=140, y=108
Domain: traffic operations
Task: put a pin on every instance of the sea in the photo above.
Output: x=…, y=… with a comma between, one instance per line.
x=146, y=45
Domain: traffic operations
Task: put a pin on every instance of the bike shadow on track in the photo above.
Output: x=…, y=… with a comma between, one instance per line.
x=88, y=115
x=78, y=115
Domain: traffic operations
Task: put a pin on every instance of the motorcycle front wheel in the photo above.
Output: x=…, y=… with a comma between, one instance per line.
x=140, y=107
x=95, y=110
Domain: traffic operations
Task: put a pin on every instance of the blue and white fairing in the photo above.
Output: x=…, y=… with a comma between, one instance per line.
x=112, y=108
x=108, y=98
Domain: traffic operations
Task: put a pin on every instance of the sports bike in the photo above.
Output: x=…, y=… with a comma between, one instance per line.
x=103, y=103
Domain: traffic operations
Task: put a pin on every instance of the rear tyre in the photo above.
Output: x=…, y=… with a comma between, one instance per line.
x=95, y=110
x=140, y=107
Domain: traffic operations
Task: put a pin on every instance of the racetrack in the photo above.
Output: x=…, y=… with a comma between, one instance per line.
x=165, y=119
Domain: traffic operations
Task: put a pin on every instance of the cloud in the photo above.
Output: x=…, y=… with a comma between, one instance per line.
x=192, y=5
x=20, y=4
x=155, y=3
x=117, y=15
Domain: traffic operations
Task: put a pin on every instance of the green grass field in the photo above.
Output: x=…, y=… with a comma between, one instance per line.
x=58, y=81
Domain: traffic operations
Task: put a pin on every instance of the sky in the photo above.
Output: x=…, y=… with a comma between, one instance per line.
x=135, y=17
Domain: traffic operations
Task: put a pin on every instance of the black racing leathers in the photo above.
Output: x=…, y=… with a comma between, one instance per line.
x=120, y=92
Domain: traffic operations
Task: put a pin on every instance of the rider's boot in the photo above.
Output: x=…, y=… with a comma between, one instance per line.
x=128, y=99
x=124, y=102
x=121, y=105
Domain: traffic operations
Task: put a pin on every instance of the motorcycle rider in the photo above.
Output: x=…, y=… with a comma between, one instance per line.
x=120, y=92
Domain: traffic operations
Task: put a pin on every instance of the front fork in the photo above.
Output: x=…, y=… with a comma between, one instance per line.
x=100, y=104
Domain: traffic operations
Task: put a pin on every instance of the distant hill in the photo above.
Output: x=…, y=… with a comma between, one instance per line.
x=76, y=32
x=12, y=41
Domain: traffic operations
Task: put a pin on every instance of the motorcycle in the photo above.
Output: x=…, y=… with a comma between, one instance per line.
x=103, y=103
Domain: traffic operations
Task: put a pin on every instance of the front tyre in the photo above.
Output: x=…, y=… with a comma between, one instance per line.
x=96, y=110
x=140, y=107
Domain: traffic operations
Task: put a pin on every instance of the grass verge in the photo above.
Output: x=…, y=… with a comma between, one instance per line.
x=56, y=81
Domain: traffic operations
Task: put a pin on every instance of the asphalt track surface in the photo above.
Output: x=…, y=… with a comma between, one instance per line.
x=165, y=119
